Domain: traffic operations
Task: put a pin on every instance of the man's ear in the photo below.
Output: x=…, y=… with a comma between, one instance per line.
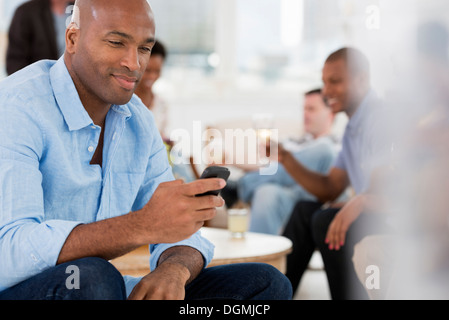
x=360, y=84
x=365, y=80
x=71, y=38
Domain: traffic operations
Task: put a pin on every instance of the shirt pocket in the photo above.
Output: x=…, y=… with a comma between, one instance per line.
x=124, y=189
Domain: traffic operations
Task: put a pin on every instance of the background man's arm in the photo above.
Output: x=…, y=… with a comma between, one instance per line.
x=325, y=187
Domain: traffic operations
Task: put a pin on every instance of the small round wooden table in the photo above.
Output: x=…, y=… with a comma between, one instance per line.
x=254, y=247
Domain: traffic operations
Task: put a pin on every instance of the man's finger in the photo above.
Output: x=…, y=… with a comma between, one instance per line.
x=341, y=237
x=208, y=202
x=203, y=185
x=206, y=214
x=331, y=235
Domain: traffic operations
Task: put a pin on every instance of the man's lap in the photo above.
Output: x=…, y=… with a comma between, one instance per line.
x=83, y=279
x=98, y=279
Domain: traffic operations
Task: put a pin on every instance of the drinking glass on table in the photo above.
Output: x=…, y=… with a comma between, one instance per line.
x=238, y=222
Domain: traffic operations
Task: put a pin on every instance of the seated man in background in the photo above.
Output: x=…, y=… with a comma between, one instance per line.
x=333, y=229
x=85, y=178
x=272, y=197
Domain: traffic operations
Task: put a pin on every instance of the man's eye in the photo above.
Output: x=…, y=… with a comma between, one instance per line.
x=115, y=43
x=146, y=49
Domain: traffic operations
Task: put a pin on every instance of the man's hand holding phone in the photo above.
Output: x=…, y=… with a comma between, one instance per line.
x=176, y=211
x=214, y=172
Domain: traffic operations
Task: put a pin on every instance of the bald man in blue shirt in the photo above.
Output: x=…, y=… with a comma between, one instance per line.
x=85, y=177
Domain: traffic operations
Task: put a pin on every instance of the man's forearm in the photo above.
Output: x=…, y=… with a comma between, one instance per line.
x=186, y=258
x=315, y=183
x=106, y=239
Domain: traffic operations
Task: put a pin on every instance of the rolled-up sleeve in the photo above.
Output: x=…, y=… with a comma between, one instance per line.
x=29, y=247
x=28, y=243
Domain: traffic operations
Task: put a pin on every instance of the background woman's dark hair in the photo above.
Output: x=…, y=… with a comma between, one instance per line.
x=159, y=49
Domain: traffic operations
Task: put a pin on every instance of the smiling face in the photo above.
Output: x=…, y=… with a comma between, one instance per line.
x=336, y=85
x=344, y=86
x=109, y=52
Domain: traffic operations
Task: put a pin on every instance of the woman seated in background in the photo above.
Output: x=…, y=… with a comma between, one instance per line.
x=145, y=92
x=159, y=106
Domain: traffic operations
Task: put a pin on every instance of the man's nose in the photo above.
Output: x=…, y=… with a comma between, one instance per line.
x=131, y=59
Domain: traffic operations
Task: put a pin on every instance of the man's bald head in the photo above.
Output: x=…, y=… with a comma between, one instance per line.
x=75, y=22
x=87, y=9
x=108, y=46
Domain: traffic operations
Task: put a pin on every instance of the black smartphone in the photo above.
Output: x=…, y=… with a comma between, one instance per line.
x=214, y=172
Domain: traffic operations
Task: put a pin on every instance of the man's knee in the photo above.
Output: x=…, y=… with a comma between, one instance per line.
x=268, y=195
x=269, y=190
x=240, y=281
x=94, y=279
x=269, y=283
x=278, y=283
x=303, y=212
x=321, y=220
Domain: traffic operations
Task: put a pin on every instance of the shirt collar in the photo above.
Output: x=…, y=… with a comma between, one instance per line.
x=68, y=100
x=123, y=110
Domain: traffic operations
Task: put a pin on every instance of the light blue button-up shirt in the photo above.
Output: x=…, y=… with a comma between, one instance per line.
x=365, y=144
x=47, y=184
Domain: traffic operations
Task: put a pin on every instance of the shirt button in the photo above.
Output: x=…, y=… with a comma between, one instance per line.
x=91, y=149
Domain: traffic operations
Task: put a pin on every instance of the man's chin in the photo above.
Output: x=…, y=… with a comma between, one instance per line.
x=124, y=99
x=337, y=108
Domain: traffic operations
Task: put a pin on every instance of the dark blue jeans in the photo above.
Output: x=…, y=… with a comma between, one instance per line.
x=307, y=229
x=100, y=280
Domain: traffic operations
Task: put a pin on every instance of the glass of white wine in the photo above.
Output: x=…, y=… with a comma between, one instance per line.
x=238, y=222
